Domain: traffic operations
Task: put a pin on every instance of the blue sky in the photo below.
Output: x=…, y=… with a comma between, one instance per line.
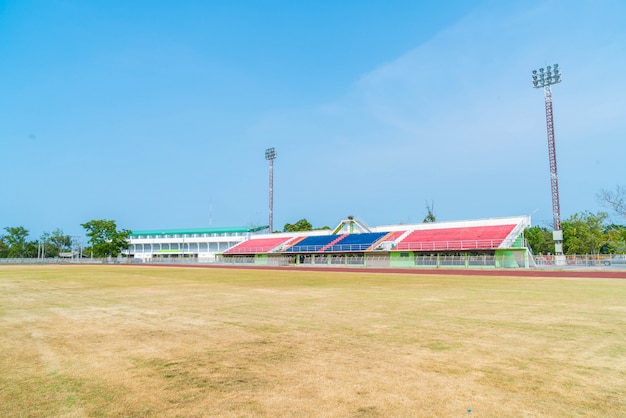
x=157, y=113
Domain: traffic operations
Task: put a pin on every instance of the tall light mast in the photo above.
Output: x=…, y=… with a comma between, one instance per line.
x=545, y=78
x=270, y=155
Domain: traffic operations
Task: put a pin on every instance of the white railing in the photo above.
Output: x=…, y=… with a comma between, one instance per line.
x=450, y=245
x=328, y=248
x=62, y=260
x=584, y=260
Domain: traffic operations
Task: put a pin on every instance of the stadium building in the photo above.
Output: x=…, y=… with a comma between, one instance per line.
x=482, y=243
x=496, y=243
x=197, y=244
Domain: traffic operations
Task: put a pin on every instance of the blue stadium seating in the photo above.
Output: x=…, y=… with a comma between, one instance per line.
x=356, y=242
x=312, y=244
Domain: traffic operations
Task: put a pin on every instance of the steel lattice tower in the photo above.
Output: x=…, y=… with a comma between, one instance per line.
x=270, y=155
x=545, y=78
x=554, y=177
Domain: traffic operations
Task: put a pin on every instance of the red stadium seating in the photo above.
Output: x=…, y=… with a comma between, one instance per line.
x=476, y=237
x=392, y=236
x=257, y=246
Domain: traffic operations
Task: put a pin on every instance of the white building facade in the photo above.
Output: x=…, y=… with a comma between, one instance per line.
x=195, y=244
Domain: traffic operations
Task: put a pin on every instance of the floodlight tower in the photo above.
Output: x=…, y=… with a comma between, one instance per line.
x=545, y=78
x=270, y=155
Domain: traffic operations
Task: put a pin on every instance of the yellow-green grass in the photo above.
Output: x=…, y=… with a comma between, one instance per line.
x=181, y=342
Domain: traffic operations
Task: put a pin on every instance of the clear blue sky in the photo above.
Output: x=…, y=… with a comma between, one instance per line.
x=157, y=113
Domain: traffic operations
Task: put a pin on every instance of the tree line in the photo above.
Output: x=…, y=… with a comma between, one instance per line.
x=105, y=240
x=587, y=232
x=583, y=233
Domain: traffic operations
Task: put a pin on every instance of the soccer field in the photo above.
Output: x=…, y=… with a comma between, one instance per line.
x=139, y=341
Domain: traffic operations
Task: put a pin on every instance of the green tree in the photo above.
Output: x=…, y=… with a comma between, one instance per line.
x=539, y=240
x=301, y=225
x=54, y=243
x=58, y=243
x=4, y=248
x=31, y=249
x=104, y=237
x=16, y=241
x=585, y=233
x=616, y=239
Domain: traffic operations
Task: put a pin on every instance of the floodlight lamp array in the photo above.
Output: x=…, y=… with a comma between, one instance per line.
x=546, y=76
x=270, y=154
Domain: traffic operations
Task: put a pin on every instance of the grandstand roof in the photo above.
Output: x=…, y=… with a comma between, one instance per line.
x=476, y=234
x=523, y=220
x=224, y=230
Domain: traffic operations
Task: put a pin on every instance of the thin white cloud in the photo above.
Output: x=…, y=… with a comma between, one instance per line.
x=460, y=109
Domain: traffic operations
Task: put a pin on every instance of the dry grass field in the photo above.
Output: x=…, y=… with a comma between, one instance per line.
x=137, y=341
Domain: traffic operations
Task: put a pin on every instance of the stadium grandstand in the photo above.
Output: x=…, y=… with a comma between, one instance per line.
x=197, y=244
x=482, y=243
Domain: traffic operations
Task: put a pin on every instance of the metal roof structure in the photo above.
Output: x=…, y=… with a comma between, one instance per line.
x=223, y=230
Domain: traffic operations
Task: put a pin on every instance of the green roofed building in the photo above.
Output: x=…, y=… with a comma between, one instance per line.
x=195, y=244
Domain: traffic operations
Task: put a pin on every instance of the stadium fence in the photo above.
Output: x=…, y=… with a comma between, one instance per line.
x=584, y=261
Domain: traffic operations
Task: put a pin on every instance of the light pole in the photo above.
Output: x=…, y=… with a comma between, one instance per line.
x=270, y=155
x=545, y=78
